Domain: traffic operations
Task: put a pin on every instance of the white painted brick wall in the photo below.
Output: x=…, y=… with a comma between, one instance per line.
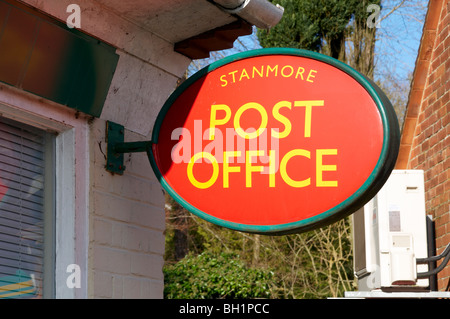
x=126, y=213
x=137, y=92
x=127, y=225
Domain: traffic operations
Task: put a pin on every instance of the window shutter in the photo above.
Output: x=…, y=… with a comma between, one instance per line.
x=22, y=209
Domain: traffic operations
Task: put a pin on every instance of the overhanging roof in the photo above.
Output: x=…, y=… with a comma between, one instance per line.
x=211, y=24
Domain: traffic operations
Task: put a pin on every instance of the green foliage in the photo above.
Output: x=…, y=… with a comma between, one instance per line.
x=212, y=276
x=311, y=265
x=316, y=24
x=182, y=234
x=295, y=30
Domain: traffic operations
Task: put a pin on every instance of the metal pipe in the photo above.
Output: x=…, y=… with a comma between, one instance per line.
x=260, y=13
x=431, y=245
x=446, y=254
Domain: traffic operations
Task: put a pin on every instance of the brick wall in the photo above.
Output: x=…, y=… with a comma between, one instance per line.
x=125, y=213
x=429, y=108
x=126, y=225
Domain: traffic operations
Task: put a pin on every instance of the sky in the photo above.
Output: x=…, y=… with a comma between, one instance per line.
x=398, y=34
x=399, y=37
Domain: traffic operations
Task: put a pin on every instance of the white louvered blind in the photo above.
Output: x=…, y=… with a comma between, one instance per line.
x=22, y=209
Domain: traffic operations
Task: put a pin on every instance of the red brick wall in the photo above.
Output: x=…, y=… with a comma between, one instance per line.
x=430, y=149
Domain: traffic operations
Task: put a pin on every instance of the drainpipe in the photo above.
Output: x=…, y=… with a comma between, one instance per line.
x=260, y=13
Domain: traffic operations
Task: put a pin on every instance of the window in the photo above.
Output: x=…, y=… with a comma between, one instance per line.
x=26, y=211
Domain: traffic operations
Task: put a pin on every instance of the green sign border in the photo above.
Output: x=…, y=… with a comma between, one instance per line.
x=379, y=175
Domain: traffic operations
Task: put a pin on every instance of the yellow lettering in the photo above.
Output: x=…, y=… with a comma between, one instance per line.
x=272, y=169
x=283, y=164
x=213, y=121
x=270, y=69
x=310, y=75
x=320, y=168
x=227, y=169
x=282, y=119
x=260, y=73
x=232, y=74
x=244, y=74
x=308, y=113
x=237, y=117
x=249, y=168
x=190, y=170
x=222, y=79
x=300, y=71
x=289, y=74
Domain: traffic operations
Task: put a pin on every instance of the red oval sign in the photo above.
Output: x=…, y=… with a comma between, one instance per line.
x=275, y=141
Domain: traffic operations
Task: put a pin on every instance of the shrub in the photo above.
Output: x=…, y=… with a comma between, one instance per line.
x=211, y=276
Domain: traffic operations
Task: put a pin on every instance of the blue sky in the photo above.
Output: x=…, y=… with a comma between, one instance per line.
x=398, y=39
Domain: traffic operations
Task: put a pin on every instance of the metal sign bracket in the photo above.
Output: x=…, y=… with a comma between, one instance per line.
x=116, y=147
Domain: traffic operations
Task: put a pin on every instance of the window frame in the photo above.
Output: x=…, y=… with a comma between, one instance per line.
x=71, y=188
x=48, y=204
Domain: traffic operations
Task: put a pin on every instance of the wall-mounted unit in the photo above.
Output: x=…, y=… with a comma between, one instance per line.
x=390, y=235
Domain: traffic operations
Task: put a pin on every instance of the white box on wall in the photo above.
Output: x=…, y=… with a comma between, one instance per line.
x=390, y=234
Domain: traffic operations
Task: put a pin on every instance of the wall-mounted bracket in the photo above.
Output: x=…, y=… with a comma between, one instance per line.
x=116, y=147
